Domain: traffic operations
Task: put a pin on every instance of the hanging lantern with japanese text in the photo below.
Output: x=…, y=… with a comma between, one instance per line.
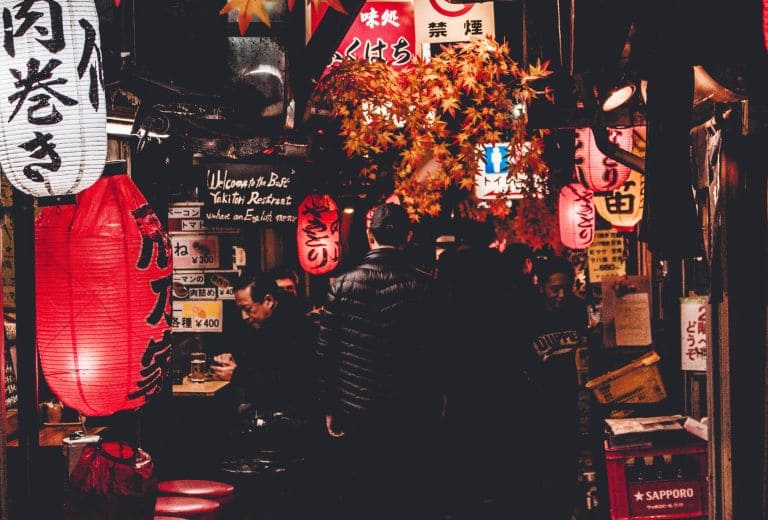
x=593, y=169
x=52, y=105
x=103, y=302
x=576, y=215
x=623, y=207
x=318, y=235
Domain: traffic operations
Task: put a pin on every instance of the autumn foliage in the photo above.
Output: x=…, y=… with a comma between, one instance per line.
x=436, y=116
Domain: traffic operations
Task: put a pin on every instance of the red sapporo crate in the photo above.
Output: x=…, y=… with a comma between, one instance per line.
x=668, y=499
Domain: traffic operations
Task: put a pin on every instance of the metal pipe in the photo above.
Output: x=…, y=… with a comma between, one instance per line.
x=612, y=150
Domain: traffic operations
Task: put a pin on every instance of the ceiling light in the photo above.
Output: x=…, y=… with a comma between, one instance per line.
x=618, y=96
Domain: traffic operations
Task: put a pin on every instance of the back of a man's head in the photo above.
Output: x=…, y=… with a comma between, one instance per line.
x=260, y=284
x=390, y=225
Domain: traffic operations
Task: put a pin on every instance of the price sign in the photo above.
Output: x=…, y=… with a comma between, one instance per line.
x=197, y=316
x=208, y=285
x=195, y=251
x=605, y=256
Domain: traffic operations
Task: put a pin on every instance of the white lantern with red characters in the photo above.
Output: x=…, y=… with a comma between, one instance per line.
x=593, y=169
x=318, y=234
x=576, y=216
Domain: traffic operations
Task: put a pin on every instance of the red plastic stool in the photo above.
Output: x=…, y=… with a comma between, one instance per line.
x=187, y=507
x=221, y=492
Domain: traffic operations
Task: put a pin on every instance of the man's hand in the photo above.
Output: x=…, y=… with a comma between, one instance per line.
x=225, y=366
x=329, y=427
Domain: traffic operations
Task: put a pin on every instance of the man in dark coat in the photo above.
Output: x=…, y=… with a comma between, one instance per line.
x=379, y=376
x=273, y=369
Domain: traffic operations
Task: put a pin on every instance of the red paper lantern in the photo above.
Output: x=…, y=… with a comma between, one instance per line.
x=593, y=169
x=103, y=298
x=576, y=212
x=317, y=235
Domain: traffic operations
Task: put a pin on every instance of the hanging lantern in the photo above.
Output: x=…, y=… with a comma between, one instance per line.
x=317, y=235
x=576, y=211
x=593, y=169
x=103, y=298
x=52, y=106
x=623, y=207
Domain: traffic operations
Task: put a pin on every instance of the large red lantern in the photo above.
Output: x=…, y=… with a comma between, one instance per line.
x=103, y=298
x=317, y=234
x=576, y=213
x=593, y=169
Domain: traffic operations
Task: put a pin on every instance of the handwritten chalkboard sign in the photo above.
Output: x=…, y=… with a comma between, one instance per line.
x=249, y=194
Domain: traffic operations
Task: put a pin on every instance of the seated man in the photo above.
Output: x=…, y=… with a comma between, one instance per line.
x=272, y=370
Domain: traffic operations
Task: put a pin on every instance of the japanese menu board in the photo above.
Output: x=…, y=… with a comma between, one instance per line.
x=249, y=194
x=606, y=256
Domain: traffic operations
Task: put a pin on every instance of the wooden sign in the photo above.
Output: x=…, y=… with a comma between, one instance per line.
x=248, y=194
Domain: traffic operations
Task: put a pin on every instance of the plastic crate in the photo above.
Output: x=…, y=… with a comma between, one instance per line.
x=664, y=498
x=637, y=382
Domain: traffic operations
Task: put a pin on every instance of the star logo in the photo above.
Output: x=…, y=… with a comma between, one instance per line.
x=638, y=497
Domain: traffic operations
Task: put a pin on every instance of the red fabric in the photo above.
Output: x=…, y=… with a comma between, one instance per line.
x=112, y=480
x=103, y=298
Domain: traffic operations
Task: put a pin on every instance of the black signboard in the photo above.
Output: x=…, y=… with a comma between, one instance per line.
x=248, y=194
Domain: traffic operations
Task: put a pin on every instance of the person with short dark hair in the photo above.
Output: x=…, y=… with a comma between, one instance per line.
x=286, y=280
x=559, y=324
x=380, y=392
x=273, y=370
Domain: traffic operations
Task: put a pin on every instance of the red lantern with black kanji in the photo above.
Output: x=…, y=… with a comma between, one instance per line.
x=593, y=169
x=318, y=234
x=576, y=215
x=103, y=284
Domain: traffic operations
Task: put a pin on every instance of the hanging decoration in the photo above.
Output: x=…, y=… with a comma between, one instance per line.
x=103, y=298
x=593, y=169
x=318, y=234
x=247, y=9
x=623, y=207
x=576, y=211
x=53, y=110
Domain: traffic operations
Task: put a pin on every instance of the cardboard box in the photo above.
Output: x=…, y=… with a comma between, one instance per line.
x=637, y=382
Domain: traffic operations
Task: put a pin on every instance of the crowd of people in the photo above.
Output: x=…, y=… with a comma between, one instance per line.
x=436, y=393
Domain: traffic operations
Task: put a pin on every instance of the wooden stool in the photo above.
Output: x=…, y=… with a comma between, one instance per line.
x=221, y=492
x=187, y=507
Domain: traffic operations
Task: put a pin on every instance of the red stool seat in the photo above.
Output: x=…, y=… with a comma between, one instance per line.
x=168, y=518
x=188, y=507
x=219, y=491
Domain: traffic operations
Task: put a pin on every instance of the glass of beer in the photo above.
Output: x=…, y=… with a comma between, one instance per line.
x=197, y=367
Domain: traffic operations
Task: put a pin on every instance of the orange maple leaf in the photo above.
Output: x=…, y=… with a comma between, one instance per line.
x=247, y=9
x=333, y=4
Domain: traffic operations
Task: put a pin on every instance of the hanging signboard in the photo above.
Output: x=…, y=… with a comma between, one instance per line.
x=694, y=323
x=440, y=22
x=186, y=216
x=381, y=31
x=606, y=256
x=195, y=251
x=247, y=194
x=197, y=316
x=204, y=285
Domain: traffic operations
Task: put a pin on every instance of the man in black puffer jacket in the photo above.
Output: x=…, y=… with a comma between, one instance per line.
x=379, y=385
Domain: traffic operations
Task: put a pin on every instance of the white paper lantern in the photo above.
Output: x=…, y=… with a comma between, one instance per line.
x=53, y=113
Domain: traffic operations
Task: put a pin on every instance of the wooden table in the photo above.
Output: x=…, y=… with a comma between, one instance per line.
x=190, y=389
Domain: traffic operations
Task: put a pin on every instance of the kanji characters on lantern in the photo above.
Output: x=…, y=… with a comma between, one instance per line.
x=103, y=298
x=318, y=234
x=576, y=214
x=623, y=206
x=593, y=169
x=52, y=104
